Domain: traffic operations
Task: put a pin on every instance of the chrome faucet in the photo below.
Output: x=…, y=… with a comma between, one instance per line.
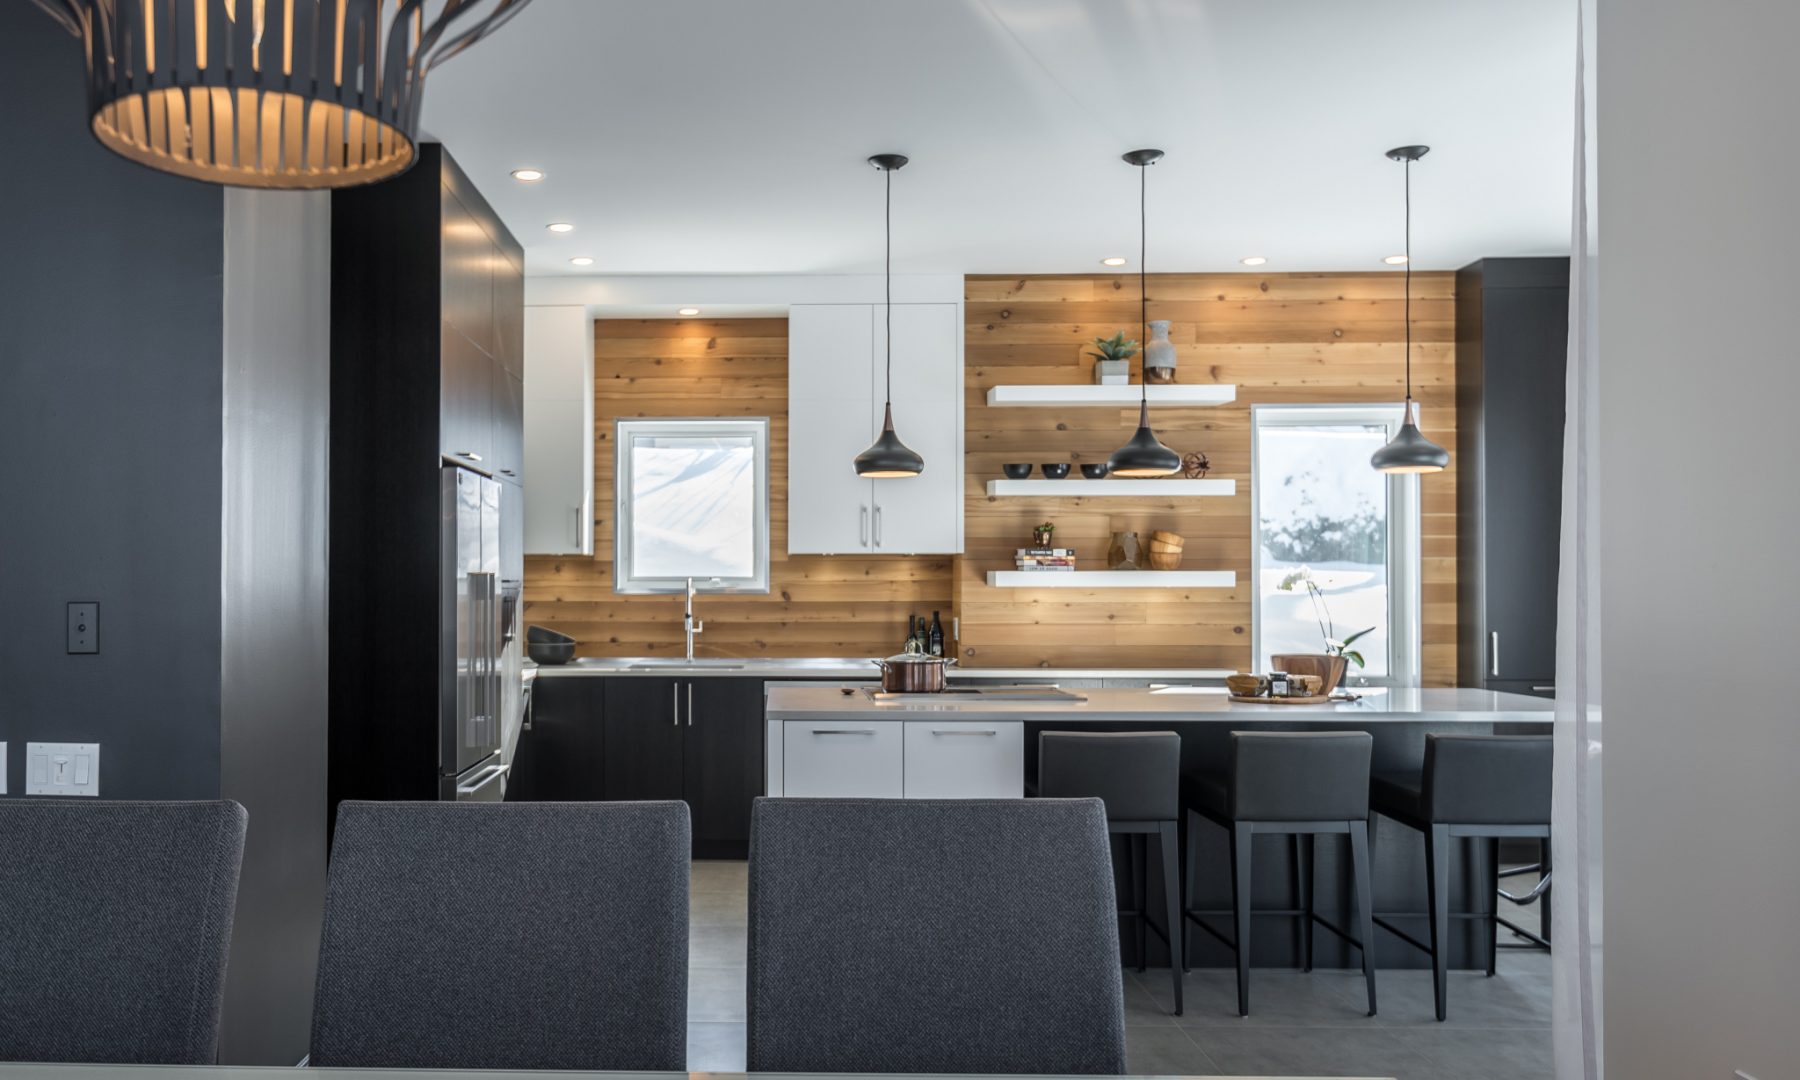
x=691, y=625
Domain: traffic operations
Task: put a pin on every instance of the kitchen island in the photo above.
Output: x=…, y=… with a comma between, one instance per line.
x=823, y=742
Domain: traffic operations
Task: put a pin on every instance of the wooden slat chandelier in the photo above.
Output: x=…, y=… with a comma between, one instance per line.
x=268, y=93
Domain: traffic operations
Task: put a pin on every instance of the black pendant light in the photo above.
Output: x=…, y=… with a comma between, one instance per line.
x=889, y=458
x=1143, y=456
x=1409, y=451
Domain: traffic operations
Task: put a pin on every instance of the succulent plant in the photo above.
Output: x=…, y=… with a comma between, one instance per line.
x=1117, y=347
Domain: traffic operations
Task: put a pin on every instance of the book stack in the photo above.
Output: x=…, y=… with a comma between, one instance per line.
x=1046, y=558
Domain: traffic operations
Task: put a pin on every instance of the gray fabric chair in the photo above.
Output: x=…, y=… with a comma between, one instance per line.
x=505, y=936
x=1478, y=787
x=115, y=922
x=1293, y=783
x=1137, y=774
x=947, y=936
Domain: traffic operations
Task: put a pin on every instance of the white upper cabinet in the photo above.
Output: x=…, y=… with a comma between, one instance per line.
x=836, y=372
x=559, y=430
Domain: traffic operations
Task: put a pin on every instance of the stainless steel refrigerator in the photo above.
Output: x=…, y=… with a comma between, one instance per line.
x=476, y=613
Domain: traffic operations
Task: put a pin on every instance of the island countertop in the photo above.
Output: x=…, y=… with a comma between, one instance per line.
x=1376, y=705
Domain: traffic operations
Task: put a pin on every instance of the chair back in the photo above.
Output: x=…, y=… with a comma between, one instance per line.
x=945, y=936
x=1487, y=779
x=1300, y=775
x=115, y=923
x=505, y=936
x=1137, y=774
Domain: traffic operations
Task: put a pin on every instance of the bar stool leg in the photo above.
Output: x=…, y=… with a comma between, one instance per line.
x=1171, y=867
x=1303, y=882
x=1190, y=871
x=1544, y=919
x=1240, y=906
x=1493, y=891
x=1140, y=899
x=1365, y=903
x=1437, y=887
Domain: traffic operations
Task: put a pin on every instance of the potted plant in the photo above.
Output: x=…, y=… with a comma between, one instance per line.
x=1041, y=535
x=1112, y=361
x=1338, y=654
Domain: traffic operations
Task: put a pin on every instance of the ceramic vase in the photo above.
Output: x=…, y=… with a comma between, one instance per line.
x=1159, y=354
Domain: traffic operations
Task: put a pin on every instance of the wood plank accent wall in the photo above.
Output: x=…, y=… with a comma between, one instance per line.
x=1282, y=338
x=817, y=605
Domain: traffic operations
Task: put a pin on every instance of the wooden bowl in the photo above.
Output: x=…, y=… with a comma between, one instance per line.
x=1166, y=541
x=1165, y=560
x=1246, y=685
x=1329, y=669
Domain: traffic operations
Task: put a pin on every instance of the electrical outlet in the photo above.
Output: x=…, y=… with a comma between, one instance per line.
x=84, y=626
x=62, y=768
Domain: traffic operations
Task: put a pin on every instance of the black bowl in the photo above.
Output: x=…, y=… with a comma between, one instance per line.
x=551, y=652
x=1094, y=470
x=1057, y=471
x=543, y=635
x=1016, y=471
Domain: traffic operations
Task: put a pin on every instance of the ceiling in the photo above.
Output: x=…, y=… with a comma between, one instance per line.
x=729, y=136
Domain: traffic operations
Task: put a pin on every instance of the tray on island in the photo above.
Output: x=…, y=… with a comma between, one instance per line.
x=1316, y=699
x=986, y=693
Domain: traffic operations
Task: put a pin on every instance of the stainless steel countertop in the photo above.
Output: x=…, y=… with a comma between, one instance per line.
x=1408, y=704
x=849, y=668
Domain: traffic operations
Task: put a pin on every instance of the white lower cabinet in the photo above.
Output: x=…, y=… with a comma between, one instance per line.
x=842, y=759
x=892, y=759
x=965, y=760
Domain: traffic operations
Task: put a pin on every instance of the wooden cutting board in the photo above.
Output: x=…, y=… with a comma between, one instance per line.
x=1316, y=699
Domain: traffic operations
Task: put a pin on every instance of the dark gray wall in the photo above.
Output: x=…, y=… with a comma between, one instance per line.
x=110, y=395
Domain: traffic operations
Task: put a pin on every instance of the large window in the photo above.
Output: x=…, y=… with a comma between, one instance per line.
x=692, y=502
x=1337, y=543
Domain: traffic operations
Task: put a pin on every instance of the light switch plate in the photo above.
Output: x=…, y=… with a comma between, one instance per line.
x=62, y=768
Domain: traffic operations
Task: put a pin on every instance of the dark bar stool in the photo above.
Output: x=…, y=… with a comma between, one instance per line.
x=1290, y=783
x=1481, y=787
x=1137, y=775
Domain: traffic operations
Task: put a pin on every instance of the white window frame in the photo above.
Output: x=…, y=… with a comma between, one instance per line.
x=1404, y=562
x=625, y=431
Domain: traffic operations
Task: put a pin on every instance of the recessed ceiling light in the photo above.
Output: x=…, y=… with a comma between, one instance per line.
x=583, y=260
x=528, y=176
x=1113, y=260
x=687, y=311
x=1253, y=260
x=560, y=226
x=1395, y=260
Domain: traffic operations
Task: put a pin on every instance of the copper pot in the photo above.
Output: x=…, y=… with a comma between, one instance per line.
x=914, y=673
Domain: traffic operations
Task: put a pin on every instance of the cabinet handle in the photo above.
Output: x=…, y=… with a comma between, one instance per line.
x=675, y=704
x=954, y=731
x=690, y=687
x=470, y=454
x=843, y=731
x=877, y=524
x=576, y=514
x=863, y=531
x=1494, y=654
x=1551, y=689
x=507, y=472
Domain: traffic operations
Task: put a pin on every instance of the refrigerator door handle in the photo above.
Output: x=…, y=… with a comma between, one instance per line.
x=488, y=776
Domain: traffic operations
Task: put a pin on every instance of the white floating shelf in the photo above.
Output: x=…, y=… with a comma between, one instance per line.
x=1082, y=394
x=1112, y=579
x=1116, y=488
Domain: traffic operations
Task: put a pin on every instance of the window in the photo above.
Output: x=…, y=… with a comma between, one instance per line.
x=692, y=502
x=1323, y=516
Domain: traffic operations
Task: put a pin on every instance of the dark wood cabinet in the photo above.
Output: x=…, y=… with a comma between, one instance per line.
x=643, y=738
x=723, y=763
x=561, y=758
x=466, y=411
x=507, y=430
x=1511, y=354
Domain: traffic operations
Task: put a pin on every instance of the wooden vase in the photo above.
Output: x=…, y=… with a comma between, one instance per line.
x=1123, y=553
x=1329, y=669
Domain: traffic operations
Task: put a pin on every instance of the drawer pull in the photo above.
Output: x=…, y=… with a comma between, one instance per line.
x=843, y=731
x=958, y=731
x=1551, y=689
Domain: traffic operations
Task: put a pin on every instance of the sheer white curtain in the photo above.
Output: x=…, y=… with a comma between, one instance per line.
x=1575, y=844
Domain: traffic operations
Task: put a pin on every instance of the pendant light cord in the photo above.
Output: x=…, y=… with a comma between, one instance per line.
x=888, y=271
x=1408, y=305
x=1144, y=281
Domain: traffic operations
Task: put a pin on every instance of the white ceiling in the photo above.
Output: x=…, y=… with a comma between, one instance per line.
x=729, y=136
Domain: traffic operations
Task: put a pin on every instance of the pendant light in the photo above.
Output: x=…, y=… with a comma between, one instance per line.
x=1409, y=451
x=1143, y=456
x=889, y=458
x=265, y=94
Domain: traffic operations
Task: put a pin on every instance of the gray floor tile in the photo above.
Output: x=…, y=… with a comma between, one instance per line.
x=719, y=875
x=718, y=909
x=718, y=946
x=1484, y=1053
x=1315, y=1051
x=716, y=993
x=1277, y=998
x=1517, y=997
x=716, y=1047
x=1142, y=1007
x=1165, y=1051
